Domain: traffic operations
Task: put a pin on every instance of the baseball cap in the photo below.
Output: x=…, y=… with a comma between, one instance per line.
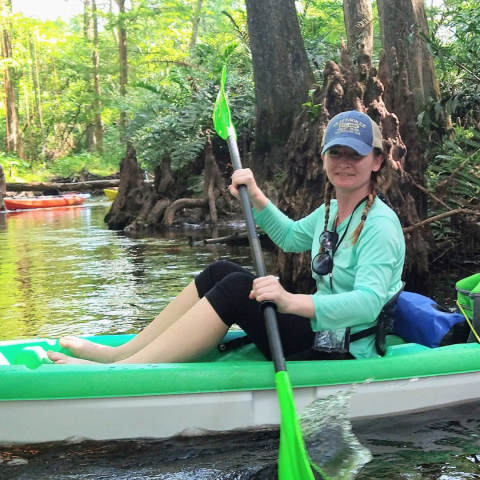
x=352, y=129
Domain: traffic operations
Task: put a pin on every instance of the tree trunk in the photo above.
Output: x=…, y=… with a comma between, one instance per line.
x=213, y=188
x=131, y=193
x=87, y=36
x=196, y=21
x=282, y=78
x=359, y=25
x=14, y=136
x=397, y=20
x=36, y=84
x=123, y=62
x=3, y=188
x=97, y=103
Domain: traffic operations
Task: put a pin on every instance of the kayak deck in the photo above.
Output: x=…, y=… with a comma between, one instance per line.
x=27, y=373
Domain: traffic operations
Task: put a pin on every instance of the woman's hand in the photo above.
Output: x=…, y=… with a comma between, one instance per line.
x=244, y=176
x=269, y=288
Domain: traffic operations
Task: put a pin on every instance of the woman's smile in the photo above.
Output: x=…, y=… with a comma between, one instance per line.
x=348, y=170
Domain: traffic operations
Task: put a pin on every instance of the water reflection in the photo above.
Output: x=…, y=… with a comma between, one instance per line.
x=62, y=271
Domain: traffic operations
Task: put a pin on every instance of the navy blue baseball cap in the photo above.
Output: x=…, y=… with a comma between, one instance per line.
x=352, y=129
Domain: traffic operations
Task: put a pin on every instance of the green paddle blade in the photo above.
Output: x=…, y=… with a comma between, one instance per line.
x=292, y=460
x=222, y=120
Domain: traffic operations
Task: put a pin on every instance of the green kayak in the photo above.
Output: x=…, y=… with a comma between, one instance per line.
x=42, y=402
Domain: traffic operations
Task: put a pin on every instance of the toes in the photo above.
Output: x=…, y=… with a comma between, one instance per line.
x=56, y=357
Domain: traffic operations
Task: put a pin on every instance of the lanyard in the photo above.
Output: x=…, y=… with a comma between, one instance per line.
x=348, y=225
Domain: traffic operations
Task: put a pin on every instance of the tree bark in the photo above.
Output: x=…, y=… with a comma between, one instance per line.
x=36, y=83
x=213, y=188
x=87, y=36
x=131, y=193
x=359, y=25
x=3, y=187
x=196, y=20
x=14, y=136
x=97, y=103
x=397, y=19
x=123, y=62
x=282, y=78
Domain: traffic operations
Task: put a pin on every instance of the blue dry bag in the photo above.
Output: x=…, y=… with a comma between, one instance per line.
x=419, y=319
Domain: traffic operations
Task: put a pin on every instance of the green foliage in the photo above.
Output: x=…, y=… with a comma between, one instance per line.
x=82, y=162
x=457, y=169
x=312, y=106
x=195, y=185
x=14, y=168
x=459, y=160
x=322, y=29
x=181, y=128
x=455, y=44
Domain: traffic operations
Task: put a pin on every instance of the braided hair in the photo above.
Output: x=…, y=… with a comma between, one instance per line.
x=379, y=181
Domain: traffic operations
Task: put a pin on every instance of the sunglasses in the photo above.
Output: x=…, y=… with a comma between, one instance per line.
x=322, y=264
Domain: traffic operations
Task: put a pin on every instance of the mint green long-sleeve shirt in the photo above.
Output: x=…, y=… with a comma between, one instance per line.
x=365, y=275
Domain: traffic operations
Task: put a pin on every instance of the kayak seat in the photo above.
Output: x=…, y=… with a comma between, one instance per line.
x=32, y=357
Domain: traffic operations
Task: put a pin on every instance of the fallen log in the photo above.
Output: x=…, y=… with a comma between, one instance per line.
x=65, y=187
x=237, y=238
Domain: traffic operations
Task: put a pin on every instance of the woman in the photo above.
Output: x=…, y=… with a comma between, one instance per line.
x=357, y=269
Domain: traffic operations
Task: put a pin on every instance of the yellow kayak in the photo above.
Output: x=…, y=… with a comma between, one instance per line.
x=111, y=194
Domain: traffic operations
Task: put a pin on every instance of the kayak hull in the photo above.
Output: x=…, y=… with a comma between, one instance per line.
x=42, y=402
x=30, y=203
x=162, y=416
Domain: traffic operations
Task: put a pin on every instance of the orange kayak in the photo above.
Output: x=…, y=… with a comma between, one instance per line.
x=28, y=203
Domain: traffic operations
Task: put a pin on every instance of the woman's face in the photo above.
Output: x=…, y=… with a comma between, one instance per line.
x=348, y=171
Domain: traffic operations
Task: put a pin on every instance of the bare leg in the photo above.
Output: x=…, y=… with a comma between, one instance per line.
x=87, y=350
x=189, y=338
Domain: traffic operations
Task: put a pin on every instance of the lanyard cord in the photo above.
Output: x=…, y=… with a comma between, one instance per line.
x=335, y=248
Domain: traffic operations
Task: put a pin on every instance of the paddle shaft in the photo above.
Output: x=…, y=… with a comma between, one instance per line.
x=269, y=311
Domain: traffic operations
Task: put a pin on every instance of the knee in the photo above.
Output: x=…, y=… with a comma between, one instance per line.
x=215, y=273
x=237, y=285
x=230, y=297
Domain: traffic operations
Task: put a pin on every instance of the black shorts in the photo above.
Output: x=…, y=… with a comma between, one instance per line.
x=227, y=286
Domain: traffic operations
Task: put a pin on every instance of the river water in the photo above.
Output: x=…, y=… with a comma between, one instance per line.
x=62, y=272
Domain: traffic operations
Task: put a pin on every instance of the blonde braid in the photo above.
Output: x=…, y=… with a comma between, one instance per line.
x=371, y=198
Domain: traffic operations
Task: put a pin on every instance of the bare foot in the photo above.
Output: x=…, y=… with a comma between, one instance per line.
x=87, y=350
x=62, y=359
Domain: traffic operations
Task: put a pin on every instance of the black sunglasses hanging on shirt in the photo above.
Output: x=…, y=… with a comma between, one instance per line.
x=322, y=263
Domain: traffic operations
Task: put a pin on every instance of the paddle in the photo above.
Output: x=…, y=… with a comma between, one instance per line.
x=293, y=462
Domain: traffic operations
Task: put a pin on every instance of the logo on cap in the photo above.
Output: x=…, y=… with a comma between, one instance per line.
x=348, y=125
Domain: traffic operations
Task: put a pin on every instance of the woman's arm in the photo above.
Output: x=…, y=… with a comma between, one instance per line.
x=289, y=235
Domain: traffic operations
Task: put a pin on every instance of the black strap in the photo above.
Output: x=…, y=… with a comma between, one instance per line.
x=234, y=344
x=363, y=334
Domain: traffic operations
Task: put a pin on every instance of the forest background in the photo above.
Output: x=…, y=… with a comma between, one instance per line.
x=144, y=75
